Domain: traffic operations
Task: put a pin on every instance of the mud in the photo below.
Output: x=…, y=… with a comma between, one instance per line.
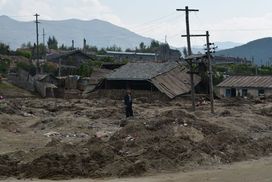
x=64, y=139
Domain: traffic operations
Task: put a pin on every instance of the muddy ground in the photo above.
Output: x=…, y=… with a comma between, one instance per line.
x=63, y=139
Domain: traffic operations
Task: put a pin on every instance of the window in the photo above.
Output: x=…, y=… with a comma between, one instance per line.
x=228, y=92
x=261, y=92
x=244, y=92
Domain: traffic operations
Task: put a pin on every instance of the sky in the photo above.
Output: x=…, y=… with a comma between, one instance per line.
x=229, y=20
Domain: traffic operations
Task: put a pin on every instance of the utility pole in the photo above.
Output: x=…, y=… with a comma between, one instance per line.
x=44, y=51
x=59, y=67
x=73, y=44
x=187, y=11
x=43, y=37
x=37, y=41
x=208, y=44
x=210, y=71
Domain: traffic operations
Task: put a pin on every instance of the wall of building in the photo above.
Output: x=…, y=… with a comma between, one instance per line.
x=254, y=92
x=133, y=57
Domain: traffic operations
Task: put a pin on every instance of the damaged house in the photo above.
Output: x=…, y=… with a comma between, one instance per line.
x=46, y=85
x=169, y=78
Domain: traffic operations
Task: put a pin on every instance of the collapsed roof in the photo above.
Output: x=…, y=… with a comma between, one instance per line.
x=170, y=78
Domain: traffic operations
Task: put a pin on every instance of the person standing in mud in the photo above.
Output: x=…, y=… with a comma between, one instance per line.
x=128, y=104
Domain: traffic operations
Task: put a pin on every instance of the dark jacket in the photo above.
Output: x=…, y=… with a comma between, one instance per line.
x=128, y=101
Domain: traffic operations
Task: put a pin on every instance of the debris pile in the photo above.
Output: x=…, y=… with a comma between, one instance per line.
x=169, y=139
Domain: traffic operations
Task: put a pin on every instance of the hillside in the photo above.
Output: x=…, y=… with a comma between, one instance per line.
x=96, y=32
x=259, y=49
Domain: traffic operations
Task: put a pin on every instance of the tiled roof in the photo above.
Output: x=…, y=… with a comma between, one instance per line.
x=247, y=81
x=141, y=71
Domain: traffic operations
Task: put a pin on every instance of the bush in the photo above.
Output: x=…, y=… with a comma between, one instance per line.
x=50, y=68
x=23, y=53
x=4, y=66
x=27, y=67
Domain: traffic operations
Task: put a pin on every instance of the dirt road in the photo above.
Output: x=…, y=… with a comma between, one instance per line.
x=251, y=171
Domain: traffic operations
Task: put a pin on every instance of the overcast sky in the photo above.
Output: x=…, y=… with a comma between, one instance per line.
x=229, y=20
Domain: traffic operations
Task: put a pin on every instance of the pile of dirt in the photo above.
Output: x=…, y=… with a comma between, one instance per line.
x=61, y=139
x=172, y=140
x=267, y=111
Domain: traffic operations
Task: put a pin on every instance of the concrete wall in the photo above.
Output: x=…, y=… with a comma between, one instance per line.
x=22, y=79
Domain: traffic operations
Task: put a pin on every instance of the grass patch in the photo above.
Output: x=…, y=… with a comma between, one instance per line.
x=4, y=85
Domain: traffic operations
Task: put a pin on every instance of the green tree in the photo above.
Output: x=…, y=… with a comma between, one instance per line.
x=4, y=66
x=27, y=67
x=52, y=43
x=50, y=68
x=142, y=47
x=24, y=53
x=4, y=49
x=114, y=48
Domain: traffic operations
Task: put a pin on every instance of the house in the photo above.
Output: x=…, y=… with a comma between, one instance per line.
x=244, y=86
x=169, y=78
x=162, y=55
x=69, y=59
x=132, y=56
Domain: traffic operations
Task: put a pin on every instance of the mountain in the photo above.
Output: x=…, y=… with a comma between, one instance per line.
x=221, y=46
x=96, y=32
x=226, y=45
x=260, y=50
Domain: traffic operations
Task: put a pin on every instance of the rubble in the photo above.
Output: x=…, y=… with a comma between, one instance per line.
x=83, y=138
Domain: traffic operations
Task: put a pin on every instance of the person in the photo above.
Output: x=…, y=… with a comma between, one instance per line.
x=128, y=104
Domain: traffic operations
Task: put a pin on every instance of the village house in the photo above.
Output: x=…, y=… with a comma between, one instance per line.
x=246, y=86
x=69, y=61
x=162, y=55
x=169, y=78
x=132, y=56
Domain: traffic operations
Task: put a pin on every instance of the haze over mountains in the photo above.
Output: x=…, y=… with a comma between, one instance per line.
x=104, y=34
x=259, y=50
x=96, y=32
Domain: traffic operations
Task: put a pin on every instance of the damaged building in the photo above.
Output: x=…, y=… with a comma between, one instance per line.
x=169, y=78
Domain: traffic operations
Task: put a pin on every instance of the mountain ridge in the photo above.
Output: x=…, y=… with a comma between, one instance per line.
x=259, y=50
x=97, y=32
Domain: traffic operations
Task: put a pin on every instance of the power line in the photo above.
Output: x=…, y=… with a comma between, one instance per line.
x=159, y=24
x=154, y=20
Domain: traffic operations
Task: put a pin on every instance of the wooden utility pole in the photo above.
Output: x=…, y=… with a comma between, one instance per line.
x=43, y=51
x=210, y=71
x=44, y=37
x=208, y=44
x=59, y=67
x=187, y=11
x=37, y=42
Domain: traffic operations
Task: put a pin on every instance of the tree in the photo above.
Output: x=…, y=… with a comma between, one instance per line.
x=4, y=66
x=52, y=43
x=114, y=48
x=154, y=45
x=91, y=48
x=4, y=49
x=142, y=47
